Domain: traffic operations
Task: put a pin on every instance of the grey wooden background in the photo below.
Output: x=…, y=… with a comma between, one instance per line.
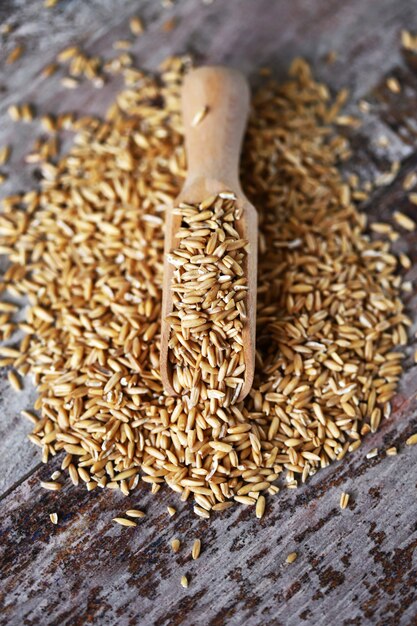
x=356, y=566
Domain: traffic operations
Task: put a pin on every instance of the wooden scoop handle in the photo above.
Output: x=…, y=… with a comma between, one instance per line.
x=215, y=106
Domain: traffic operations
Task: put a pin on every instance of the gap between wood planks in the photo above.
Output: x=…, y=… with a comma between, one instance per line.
x=21, y=480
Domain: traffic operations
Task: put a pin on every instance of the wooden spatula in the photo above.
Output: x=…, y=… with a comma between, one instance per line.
x=215, y=107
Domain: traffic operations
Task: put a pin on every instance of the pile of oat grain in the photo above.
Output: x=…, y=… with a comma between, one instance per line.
x=86, y=253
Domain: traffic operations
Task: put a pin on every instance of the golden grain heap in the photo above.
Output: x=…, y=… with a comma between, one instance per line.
x=86, y=253
x=209, y=292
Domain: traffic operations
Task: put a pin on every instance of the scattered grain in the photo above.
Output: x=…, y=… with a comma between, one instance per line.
x=364, y=106
x=67, y=54
x=383, y=141
x=15, y=381
x=122, y=44
x=405, y=260
x=409, y=41
x=14, y=55
x=393, y=85
x=27, y=112
x=69, y=83
x=14, y=112
x=135, y=513
x=344, y=500
x=136, y=25
x=411, y=441
x=171, y=510
x=195, y=553
x=404, y=221
x=124, y=522
x=291, y=557
x=391, y=451
x=32, y=417
x=184, y=582
x=260, y=507
x=175, y=545
x=4, y=154
x=5, y=29
x=49, y=70
x=410, y=181
x=51, y=485
x=348, y=120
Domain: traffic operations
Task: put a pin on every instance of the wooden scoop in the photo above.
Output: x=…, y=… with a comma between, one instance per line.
x=215, y=107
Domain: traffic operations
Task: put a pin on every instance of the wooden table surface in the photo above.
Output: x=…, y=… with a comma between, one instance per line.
x=357, y=566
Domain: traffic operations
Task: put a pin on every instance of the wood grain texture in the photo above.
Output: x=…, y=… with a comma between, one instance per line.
x=356, y=566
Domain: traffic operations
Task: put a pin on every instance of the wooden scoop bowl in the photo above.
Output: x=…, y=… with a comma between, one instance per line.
x=215, y=107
